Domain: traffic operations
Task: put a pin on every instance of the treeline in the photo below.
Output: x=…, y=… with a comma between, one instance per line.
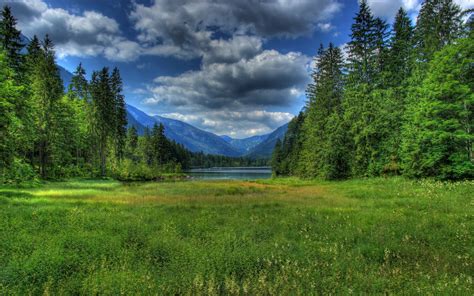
x=400, y=102
x=48, y=133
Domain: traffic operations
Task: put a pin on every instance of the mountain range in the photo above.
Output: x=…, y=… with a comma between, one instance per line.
x=197, y=140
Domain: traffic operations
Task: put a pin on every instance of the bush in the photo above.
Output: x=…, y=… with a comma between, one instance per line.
x=128, y=170
x=18, y=172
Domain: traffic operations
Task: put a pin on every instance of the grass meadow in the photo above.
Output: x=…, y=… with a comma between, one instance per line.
x=282, y=236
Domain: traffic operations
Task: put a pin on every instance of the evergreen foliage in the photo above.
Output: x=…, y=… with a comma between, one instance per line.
x=402, y=104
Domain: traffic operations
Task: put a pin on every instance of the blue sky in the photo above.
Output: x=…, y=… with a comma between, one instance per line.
x=230, y=67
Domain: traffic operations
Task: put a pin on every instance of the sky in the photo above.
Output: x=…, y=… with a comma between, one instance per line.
x=237, y=68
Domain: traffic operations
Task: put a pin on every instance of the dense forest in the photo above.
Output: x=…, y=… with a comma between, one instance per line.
x=49, y=133
x=392, y=102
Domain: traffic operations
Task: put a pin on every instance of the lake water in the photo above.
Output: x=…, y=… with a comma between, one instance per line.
x=229, y=173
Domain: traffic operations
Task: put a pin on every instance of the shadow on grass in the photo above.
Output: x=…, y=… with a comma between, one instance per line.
x=15, y=194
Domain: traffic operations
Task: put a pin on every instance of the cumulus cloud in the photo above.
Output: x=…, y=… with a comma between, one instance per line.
x=388, y=8
x=268, y=78
x=185, y=28
x=232, y=95
x=87, y=34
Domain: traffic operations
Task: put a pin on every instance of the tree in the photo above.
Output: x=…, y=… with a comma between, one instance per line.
x=120, y=113
x=47, y=90
x=9, y=92
x=79, y=85
x=10, y=39
x=438, y=136
x=439, y=23
x=325, y=103
x=277, y=158
x=104, y=106
x=367, y=53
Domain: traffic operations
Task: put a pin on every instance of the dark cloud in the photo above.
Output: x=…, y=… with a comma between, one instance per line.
x=267, y=79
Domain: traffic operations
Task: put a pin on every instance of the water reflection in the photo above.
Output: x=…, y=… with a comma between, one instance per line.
x=228, y=173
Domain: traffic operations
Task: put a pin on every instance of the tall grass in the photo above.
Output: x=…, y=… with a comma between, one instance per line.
x=283, y=236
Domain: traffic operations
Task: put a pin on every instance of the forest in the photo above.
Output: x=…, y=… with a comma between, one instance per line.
x=49, y=133
x=393, y=101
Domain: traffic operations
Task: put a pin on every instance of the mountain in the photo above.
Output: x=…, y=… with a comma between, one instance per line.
x=246, y=145
x=191, y=137
x=66, y=76
x=265, y=148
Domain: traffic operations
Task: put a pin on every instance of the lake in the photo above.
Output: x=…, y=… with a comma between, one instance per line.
x=228, y=173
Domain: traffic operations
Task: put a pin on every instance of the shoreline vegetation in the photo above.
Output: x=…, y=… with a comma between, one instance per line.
x=276, y=236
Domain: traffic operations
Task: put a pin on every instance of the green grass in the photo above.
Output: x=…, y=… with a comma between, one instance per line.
x=283, y=236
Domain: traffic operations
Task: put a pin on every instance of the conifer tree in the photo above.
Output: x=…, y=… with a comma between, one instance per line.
x=47, y=90
x=9, y=92
x=325, y=95
x=438, y=136
x=10, y=39
x=276, y=158
x=367, y=50
x=104, y=106
x=439, y=23
x=79, y=85
x=120, y=113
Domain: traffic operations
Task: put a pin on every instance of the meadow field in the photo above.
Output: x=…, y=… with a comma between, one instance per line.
x=282, y=236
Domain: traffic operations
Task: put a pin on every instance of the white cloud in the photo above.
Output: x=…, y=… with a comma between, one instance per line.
x=325, y=27
x=185, y=28
x=388, y=8
x=237, y=124
x=87, y=34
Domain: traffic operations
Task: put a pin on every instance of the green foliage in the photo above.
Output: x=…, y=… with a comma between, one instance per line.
x=401, y=105
x=438, y=131
x=283, y=236
x=287, y=153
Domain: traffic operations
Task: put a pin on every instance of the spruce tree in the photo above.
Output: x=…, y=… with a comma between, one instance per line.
x=79, y=85
x=10, y=39
x=276, y=158
x=439, y=23
x=366, y=60
x=325, y=99
x=9, y=93
x=104, y=106
x=120, y=113
x=438, y=136
x=47, y=90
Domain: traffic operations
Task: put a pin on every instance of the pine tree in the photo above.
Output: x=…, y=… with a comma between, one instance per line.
x=438, y=136
x=367, y=53
x=9, y=93
x=47, y=90
x=79, y=85
x=325, y=99
x=104, y=106
x=400, y=61
x=10, y=39
x=439, y=23
x=276, y=158
x=120, y=113
x=132, y=144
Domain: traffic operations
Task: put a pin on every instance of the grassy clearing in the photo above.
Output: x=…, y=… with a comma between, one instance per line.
x=229, y=237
